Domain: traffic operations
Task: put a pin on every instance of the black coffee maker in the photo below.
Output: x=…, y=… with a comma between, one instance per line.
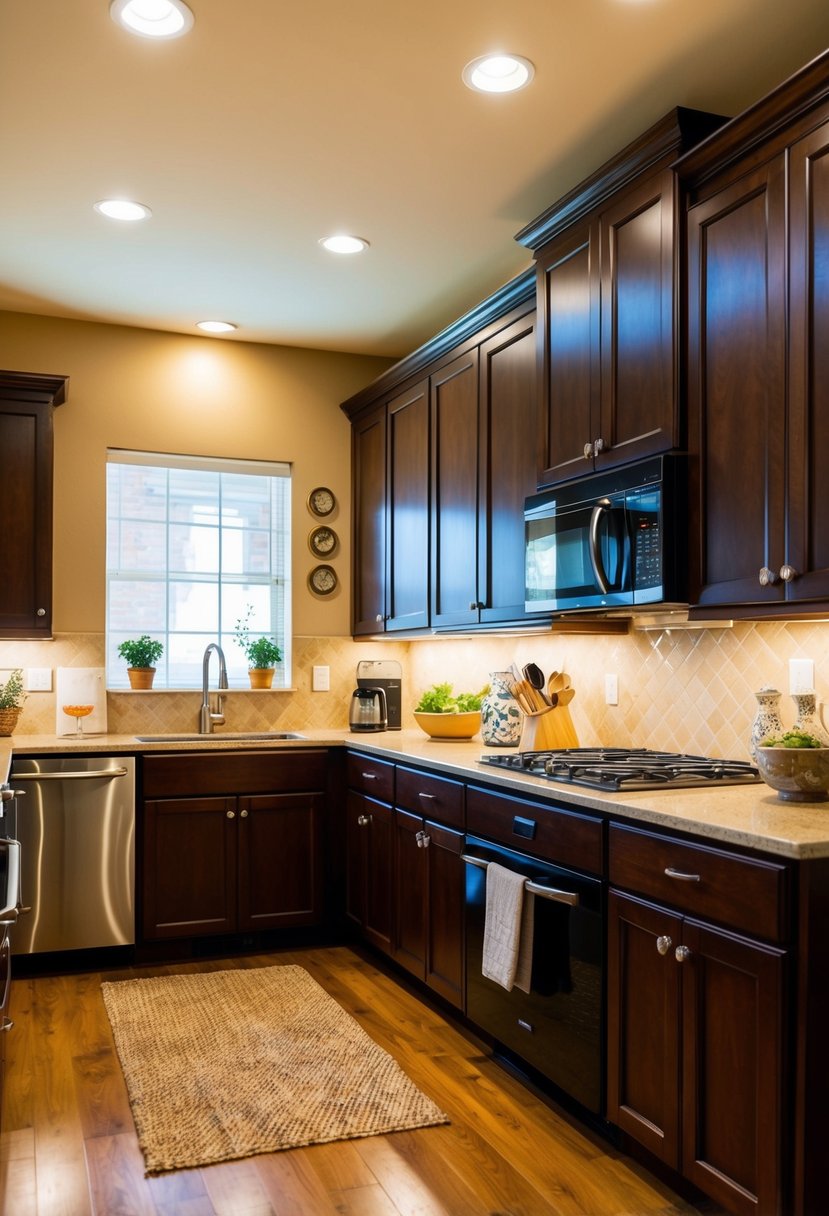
x=383, y=674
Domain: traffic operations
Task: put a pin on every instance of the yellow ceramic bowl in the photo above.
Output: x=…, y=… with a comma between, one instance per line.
x=449, y=726
x=799, y=774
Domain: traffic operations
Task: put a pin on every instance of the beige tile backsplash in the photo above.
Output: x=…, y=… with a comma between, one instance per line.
x=679, y=690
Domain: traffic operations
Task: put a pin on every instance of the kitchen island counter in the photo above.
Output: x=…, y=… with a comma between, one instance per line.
x=747, y=816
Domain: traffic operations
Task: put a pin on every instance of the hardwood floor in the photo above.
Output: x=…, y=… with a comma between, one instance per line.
x=69, y=1146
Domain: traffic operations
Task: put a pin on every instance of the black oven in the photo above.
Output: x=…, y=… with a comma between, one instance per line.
x=557, y=1027
x=613, y=540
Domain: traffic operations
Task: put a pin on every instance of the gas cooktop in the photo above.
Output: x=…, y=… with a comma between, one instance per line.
x=620, y=768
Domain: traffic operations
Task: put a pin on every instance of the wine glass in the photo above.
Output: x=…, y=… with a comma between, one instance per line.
x=78, y=712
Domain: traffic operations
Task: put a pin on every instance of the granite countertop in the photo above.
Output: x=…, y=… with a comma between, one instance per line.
x=749, y=816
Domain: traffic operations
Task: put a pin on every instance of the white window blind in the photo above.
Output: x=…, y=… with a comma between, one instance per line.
x=191, y=543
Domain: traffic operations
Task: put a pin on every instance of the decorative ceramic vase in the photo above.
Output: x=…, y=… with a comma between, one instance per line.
x=808, y=719
x=766, y=720
x=501, y=718
x=260, y=677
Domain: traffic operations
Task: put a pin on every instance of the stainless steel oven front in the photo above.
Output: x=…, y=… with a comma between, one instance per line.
x=556, y=1028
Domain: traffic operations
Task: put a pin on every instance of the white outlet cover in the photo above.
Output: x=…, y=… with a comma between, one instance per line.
x=801, y=675
x=321, y=679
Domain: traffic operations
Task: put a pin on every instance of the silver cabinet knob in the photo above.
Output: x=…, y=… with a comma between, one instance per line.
x=243, y=814
x=663, y=944
x=379, y=618
x=588, y=451
x=682, y=954
x=363, y=820
x=231, y=814
x=766, y=577
x=598, y=446
x=788, y=573
x=41, y=612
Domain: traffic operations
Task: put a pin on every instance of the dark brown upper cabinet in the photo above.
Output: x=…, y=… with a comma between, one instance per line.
x=607, y=290
x=26, y=404
x=758, y=368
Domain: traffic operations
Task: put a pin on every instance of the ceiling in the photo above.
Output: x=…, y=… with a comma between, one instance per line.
x=271, y=125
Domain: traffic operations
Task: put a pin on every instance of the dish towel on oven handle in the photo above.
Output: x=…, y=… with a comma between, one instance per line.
x=508, y=929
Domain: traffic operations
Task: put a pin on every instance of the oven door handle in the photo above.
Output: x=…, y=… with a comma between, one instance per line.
x=534, y=888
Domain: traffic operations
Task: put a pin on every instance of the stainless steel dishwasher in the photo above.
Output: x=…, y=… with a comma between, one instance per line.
x=76, y=826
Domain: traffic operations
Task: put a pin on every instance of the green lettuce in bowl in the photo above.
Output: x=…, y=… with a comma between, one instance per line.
x=796, y=764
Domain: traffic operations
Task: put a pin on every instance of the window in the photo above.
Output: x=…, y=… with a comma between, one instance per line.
x=191, y=544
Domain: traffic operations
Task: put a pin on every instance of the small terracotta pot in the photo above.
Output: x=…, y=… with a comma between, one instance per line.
x=8, y=720
x=261, y=677
x=141, y=677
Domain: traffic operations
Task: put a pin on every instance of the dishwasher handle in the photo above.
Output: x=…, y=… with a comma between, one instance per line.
x=9, y=914
x=69, y=776
x=534, y=888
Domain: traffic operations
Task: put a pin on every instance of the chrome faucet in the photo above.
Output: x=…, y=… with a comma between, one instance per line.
x=211, y=713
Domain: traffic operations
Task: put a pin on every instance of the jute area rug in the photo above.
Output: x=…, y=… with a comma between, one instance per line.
x=231, y=1063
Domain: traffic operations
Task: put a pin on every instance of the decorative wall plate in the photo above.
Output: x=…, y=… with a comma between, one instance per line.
x=321, y=501
x=323, y=541
x=323, y=580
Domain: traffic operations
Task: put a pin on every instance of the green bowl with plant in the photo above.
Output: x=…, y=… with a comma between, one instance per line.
x=444, y=715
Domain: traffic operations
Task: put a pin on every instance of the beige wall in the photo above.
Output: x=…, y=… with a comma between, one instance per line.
x=137, y=388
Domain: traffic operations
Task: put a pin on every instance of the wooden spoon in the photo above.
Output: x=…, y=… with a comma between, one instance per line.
x=557, y=681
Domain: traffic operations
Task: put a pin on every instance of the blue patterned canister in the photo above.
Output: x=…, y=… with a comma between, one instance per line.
x=501, y=717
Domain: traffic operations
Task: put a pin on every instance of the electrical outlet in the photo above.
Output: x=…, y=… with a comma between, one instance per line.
x=321, y=679
x=38, y=679
x=611, y=689
x=801, y=675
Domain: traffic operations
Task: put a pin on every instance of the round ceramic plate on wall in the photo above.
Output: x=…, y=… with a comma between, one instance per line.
x=321, y=501
x=323, y=580
x=323, y=541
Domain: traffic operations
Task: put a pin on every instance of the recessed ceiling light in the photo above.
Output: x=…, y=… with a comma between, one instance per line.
x=216, y=327
x=152, y=18
x=122, y=209
x=498, y=73
x=343, y=244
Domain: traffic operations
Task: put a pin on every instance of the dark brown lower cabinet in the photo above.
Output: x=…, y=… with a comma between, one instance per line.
x=428, y=903
x=223, y=865
x=368, y=867
x=695, y=1050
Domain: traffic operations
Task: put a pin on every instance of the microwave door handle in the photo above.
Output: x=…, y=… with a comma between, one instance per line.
x=599, y=573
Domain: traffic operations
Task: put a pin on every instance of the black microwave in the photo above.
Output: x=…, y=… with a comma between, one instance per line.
x=610, y=540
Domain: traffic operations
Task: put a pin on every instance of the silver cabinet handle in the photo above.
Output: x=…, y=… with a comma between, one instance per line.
x=766, y=577
x=426, y=797
x=363, y=820
x=41, y=612
x=588, y=451
x=682, y=954
x=423, y=840
x=85, y=776
x=788, y=573
x=6, y=1024
x=230, y=814
x=369, y=776
x=243, y=814
x=678, y=874
x=663, y=944
x=598, y=446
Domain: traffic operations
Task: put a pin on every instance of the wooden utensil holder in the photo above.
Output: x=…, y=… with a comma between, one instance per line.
x=548, y=730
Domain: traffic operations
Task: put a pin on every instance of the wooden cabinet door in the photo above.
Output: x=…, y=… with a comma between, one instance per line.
x=732, y=1069
x=639, y=415
x=454, y=419
x=736, y=387
x=26, y=403
x=280, y=860
x=369, y=868
x=508, y=473
x=355, y=857
x=643, y=1021
x=569, y=293
x=444, y=955
x=807, y=550
x=190, y=865
x=368, y=608
x=407, y=423
x=410, y=893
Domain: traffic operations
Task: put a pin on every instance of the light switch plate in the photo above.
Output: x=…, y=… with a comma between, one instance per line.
x=801, y=675
x=611, y=689
x=38, y=679
x=321, y=679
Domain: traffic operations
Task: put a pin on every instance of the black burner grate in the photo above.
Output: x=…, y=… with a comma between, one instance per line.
x=620, y=768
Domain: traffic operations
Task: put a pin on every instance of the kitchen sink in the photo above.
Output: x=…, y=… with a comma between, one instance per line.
x=272, y=736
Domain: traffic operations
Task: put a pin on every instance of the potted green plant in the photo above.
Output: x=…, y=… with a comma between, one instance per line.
x=141, y=655
x=12, y=697
x=261, y=652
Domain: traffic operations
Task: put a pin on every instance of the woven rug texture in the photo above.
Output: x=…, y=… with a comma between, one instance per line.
x=226, y=1064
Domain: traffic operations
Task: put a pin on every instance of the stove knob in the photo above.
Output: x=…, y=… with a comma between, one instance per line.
x=663, y=944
